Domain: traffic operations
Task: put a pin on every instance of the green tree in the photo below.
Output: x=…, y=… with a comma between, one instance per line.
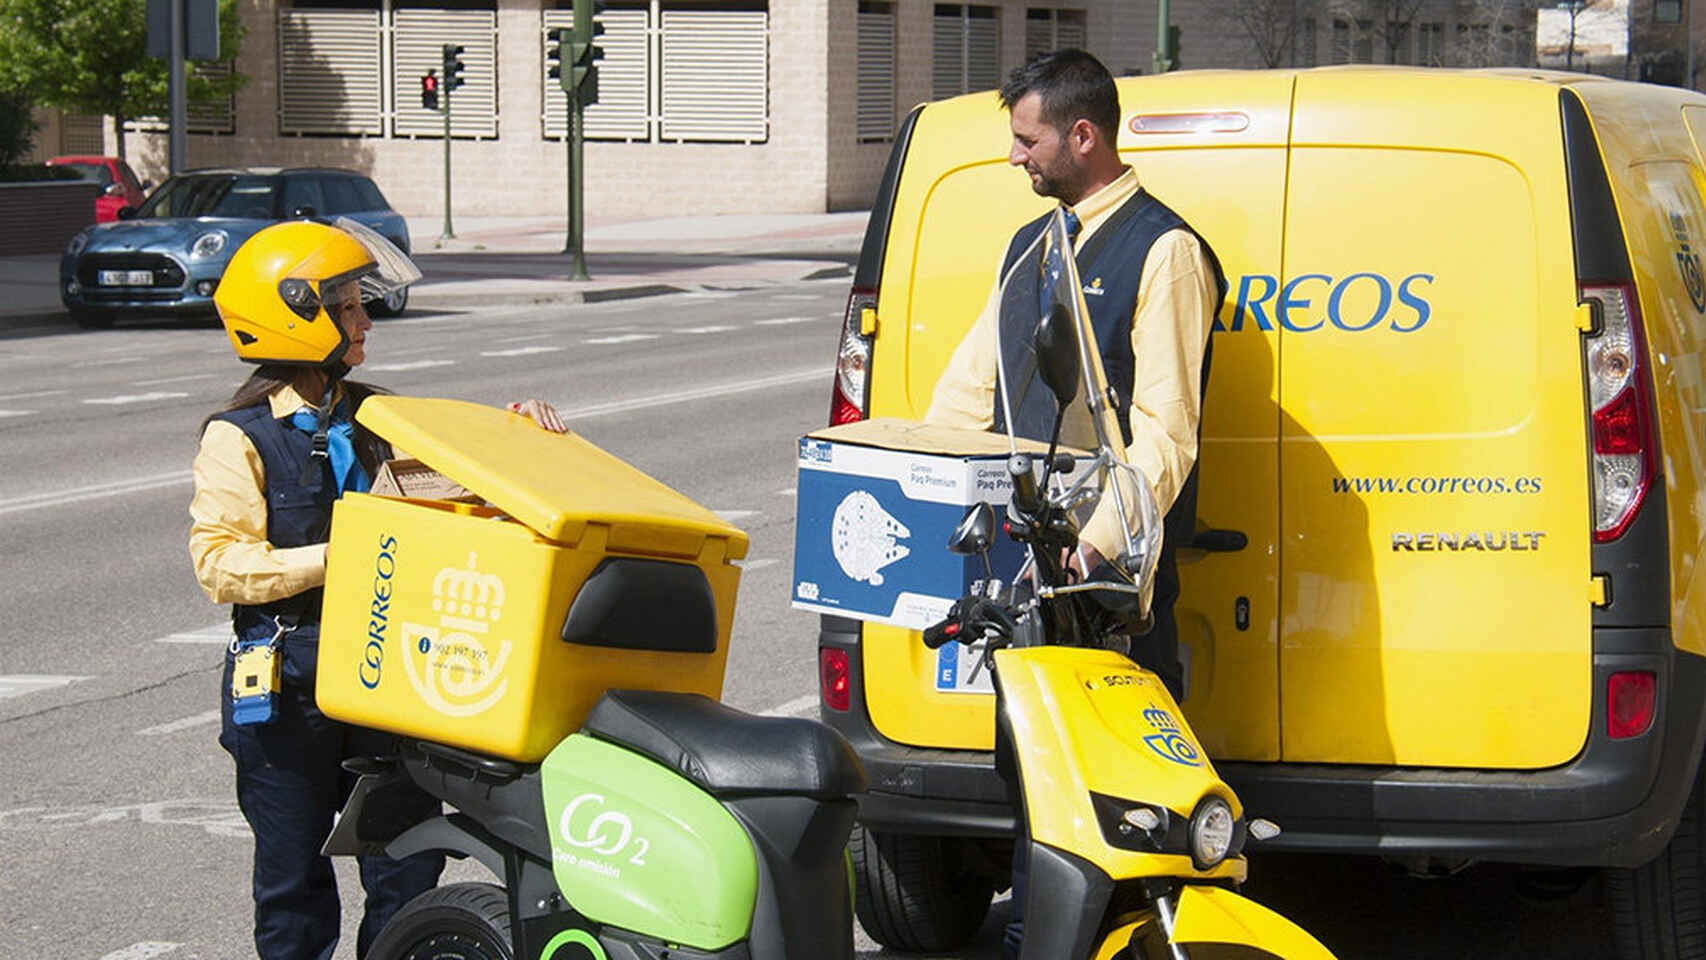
x=91, y=57
x=17, y=128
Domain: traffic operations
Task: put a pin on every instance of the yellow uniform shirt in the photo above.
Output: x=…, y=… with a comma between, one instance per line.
x=228, y=540
x=1176, y=297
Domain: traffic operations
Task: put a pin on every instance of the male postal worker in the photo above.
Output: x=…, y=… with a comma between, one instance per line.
x=1153, y=287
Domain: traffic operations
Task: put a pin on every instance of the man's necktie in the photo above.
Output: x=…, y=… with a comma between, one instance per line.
x=1054, y=266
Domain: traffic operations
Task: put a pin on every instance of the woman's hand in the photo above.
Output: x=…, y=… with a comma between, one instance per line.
x=541, y=413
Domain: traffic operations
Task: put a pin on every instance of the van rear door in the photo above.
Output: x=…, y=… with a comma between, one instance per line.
x=1435, y=606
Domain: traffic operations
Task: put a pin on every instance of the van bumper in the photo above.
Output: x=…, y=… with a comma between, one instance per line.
x=1616, y=804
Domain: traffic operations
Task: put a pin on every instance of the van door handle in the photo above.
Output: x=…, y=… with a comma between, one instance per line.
x=1219, y=541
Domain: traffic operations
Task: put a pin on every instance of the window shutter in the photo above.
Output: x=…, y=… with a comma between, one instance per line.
x=418, y=37
x=623, y=110
x=215, y=116
x=328, y=64
x=983, y=49
x=876, y=73
x=1039, y=32
x=81, y=134
x=715, y=75
x=947, y=55
x=1069, y=31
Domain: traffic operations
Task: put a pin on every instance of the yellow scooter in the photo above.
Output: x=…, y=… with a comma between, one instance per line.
x=1134, y=842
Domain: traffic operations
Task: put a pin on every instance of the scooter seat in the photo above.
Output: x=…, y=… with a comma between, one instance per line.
x=725, y=751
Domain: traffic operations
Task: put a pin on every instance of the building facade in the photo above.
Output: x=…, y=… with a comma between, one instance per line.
x=721, y=106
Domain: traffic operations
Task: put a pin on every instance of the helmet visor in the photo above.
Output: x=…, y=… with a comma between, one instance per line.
x=392, y=270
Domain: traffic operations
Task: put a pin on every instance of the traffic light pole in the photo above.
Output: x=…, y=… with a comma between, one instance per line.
x=444, y=97
x=576, y=246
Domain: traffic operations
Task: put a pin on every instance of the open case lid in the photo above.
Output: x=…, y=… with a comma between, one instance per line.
x=916, y=436
x=554, y=483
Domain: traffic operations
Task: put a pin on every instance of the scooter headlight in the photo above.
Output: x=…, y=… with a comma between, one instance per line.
x=1212, y=827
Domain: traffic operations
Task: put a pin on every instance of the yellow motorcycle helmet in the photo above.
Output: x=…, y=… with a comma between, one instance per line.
x=273, y=294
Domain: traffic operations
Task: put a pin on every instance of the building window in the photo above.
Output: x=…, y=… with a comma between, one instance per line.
x=1305, y=41
x=1365, y=42
x=329, y=71
x=714, y=79
x=418, y=36
x=624, y=110
x=216, y=115
x=1342, y=51
x=1048, y=30
x=875, y=120
x=1667, y=11
x=966, y=53
x=1430, y=45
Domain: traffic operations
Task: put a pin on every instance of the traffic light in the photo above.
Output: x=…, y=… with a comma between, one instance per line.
x=560, y=37
x=582, y=81
x=452, y=67
x=429, y=90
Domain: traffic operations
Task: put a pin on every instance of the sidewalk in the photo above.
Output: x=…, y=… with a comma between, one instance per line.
x=496, y=260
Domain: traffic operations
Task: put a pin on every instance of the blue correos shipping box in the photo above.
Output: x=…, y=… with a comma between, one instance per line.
x=878, y=501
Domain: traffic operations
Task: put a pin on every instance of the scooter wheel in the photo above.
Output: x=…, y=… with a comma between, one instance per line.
x=463, y=921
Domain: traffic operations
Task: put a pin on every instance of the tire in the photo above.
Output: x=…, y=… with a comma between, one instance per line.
x=919, y=894
x=1660, y=908
x=464, y=921
x=92, y=319
x=391, y=305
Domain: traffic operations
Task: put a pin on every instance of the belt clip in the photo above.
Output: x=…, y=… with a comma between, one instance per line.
x=278, y=635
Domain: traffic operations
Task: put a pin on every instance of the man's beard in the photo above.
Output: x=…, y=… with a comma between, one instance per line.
x=1060, y=183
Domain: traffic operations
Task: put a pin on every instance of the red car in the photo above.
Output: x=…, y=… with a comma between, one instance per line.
x=114, y=176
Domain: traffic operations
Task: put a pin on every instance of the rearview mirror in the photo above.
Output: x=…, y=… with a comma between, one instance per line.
x=114, y=190
x=1057, y=353
x=975, y=532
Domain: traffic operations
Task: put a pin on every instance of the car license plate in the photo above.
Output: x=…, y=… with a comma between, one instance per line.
x=126, y=278
x=960, y=669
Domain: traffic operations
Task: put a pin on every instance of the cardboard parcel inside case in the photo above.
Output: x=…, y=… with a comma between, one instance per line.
x=496, y=626
x=878, y=501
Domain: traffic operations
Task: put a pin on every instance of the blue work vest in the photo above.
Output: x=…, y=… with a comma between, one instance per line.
x=298, y=514
x=1110, y=266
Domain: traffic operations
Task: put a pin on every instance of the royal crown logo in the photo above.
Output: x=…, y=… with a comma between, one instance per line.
x=449, y=665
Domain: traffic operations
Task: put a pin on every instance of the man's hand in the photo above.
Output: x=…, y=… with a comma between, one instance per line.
x=541, y=413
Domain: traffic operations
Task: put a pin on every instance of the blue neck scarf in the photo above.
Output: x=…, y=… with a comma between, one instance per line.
x=339, y=446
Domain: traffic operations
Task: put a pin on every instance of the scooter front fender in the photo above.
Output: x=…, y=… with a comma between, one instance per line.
x=1214, y=915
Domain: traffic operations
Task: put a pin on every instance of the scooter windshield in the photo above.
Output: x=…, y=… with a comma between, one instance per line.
x=1036, y=286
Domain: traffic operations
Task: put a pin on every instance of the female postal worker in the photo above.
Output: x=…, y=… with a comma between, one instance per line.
x=271, y=463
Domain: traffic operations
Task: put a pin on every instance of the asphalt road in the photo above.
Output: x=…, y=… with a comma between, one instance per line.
x=119, y=834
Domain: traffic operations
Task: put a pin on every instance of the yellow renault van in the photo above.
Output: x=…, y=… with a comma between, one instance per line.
x=1448, y=594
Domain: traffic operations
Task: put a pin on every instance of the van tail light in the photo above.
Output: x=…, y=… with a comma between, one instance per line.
x=1629, y=704
x=833, y=679
x=851, y=399
x=1620, y=409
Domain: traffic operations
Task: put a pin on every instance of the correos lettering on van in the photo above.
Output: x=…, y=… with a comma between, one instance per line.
x=1353, y=303
x=373, y=654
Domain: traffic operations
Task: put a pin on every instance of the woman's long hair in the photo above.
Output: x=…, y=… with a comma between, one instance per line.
x=270, y=378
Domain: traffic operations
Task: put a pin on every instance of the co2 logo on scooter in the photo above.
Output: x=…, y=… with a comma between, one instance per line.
x=608, y=833
x=1167, y=742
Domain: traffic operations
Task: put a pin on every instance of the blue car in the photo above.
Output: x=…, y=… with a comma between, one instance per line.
x=169, y=254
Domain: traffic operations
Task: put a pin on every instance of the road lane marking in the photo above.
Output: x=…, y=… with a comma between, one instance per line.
x=219, y=633
x=797, y=707
x=712, y=329
x=142, y=951
x=623, y=338
x=200, y=719
x=790, y=492
x=113, y=362
x=185, y=379
x=531, y=336
x=98, y=491
x=95, y=492
x=219, y=818
x=135, y=398
x=733, y=515
x=704, y=393
x=784, y=321
x=409, y=365
x=751, y=565
x=520, y=351
x=15, y=413
x=19, y=684
x=32, y=396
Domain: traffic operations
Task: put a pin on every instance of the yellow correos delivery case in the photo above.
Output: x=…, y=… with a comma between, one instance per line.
x=496, y=628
